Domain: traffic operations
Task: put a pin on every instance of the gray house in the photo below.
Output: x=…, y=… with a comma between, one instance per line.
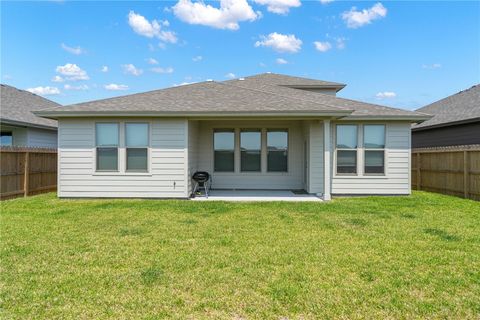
x=268, y=131
x=19, y=126
x=456, y=121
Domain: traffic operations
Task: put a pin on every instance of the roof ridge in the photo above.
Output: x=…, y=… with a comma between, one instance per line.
x=285, y=96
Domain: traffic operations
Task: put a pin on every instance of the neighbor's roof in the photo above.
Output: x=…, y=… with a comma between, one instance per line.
x=461, y=107
x=252, y=96
x=16, y=108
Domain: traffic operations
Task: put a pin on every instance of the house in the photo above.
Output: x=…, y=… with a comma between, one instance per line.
x=266, y=131
x=19, y=126
x=456, y=121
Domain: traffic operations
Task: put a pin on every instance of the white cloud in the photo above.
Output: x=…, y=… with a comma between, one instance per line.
x=386, y=95
x=280, y=42
x=162, y=70
x=116, y=87
x=325, y=1
x=57, y=79
x=230, y=13
x=340, y=43
x=44, y=91
x=230, y=75
x=149, y=29
x=73, y=50
x=131, y=69
x=356, y=19
x=279, y=6
x=281, y=61
x=197, y=58
x=431, y=66
x=322, y=46
x=72, y=72
x=152, y=61
x=104, y=69
x=77, y=88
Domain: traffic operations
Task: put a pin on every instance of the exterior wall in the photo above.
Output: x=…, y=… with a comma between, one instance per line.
x=42, y=138
x=315, y=156
x=193, y=147
x=293, y=179
x=461, y=134
x=167, y=175
x=397, y=166
x=19, y=135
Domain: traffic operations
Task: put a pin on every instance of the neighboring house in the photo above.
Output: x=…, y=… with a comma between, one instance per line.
x=19, y=126
x=456, y=121
x=266, y=131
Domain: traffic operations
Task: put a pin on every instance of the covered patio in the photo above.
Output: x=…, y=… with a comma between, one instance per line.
x=257, y=195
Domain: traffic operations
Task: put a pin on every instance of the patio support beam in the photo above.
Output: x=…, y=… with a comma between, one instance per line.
x=326, y=160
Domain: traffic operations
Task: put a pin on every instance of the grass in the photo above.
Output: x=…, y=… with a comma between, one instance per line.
x=374, y=257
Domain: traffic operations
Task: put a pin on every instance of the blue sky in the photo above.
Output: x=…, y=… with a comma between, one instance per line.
x=404, y=53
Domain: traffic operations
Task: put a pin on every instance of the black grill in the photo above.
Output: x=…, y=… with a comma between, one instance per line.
x=201, y=176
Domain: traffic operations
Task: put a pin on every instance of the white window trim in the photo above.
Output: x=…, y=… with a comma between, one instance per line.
x=148, y=147
x=122, y=151
x=357, y=150
x=384, y=149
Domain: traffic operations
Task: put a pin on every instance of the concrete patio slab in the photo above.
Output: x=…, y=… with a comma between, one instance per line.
x=256, y=195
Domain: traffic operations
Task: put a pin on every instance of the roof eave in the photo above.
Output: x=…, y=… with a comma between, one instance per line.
x=26, y=124
x=73, y=114
x=411, y=118
x=337, y=87
x=446, y=124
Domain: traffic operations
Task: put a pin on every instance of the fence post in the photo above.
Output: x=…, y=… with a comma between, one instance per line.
x=26, y=175
x=419, y=173
x=465, y=174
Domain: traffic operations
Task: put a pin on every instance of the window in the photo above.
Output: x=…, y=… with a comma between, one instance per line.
x=6, y=138
x=106, y=135
x=250, y=150
x=374, y=145
x=346, y=149
x=277, y=150
x=136, y=142
x=224, y=150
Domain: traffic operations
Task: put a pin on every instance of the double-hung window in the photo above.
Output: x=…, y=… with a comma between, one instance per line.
x=277, y=150
x=6, y=138
x=136, y=142
x=250, y=150
x=107, y=136
x=374, y=148
x=346, y=148
x=224, y=150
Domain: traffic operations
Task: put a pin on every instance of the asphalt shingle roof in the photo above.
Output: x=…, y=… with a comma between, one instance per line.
x=17, y=105
x=267, y=93
x=462, y=106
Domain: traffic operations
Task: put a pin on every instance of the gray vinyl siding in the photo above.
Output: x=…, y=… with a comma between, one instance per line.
x=453, y=135
x=293, y=179
x=167, y=162
x=42, y=138
x=193, y=147
x=316, y=163
x=397, y=166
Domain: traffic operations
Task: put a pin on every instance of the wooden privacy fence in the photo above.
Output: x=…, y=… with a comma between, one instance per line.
x=447, y=170
x=27, y=171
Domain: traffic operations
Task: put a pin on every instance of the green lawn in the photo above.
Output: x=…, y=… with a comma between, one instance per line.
x=375, y=257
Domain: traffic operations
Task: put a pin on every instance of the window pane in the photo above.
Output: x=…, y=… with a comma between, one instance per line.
x=136, y=134
x=374, y=136
x=224, y=146
x=277, y=148
x=346, y=161
x=137, y=159
x=250, y=146
x=107, y=134
x=374, y=161
x=6, y=139
x=347, y=136
x=107, y=159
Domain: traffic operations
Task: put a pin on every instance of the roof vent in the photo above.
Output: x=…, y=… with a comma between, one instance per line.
x=241, y=79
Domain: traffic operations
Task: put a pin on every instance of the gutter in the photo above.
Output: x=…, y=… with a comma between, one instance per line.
x=76, y=114
x=26, y=124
